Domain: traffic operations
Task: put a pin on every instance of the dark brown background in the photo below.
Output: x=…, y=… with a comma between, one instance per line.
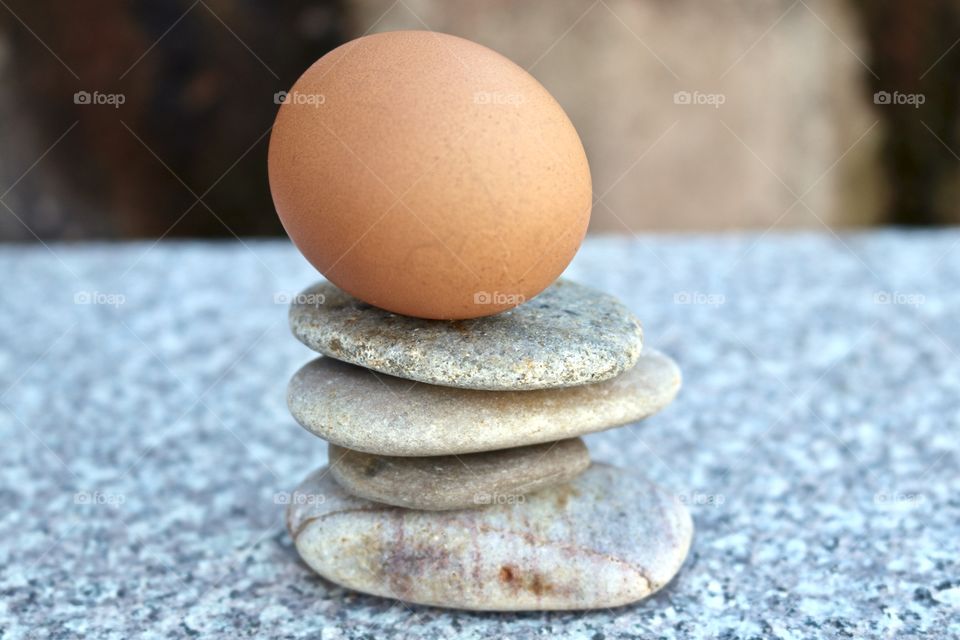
x=185, y=154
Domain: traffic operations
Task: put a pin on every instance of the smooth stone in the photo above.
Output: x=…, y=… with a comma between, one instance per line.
x=438, y=483
x=607, y=538
x=372, y=412
x=568, y=335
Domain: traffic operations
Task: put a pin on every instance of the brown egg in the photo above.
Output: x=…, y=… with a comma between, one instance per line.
x=429, y=176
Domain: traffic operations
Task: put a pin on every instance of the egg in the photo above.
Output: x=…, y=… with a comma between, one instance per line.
x=429, y=175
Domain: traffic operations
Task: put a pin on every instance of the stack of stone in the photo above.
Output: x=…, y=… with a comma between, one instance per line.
x=457, y=476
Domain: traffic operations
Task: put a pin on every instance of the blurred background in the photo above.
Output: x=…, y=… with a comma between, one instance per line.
x=151, y=119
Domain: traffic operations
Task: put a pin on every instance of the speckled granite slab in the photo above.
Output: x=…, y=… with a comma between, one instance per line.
x=149, y=451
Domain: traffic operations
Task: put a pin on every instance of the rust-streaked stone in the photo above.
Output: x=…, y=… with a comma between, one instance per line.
x=605, y=539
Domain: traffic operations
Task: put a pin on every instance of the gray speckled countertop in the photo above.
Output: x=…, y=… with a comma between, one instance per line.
x=147, y=447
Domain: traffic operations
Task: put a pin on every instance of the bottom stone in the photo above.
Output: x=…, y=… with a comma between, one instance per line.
x=604, y=539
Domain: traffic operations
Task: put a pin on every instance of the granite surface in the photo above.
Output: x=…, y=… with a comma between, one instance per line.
x=148, y=450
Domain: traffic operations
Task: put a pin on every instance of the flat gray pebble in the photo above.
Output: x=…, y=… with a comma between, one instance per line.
x=456, y=482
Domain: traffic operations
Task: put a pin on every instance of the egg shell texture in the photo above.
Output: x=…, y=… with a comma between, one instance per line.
x=429, y=176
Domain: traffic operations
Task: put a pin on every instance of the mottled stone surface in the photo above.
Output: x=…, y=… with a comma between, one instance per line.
x=605, y=539
x=468, y=480
x=367, y=411
x=568, y=335
x=149, y=449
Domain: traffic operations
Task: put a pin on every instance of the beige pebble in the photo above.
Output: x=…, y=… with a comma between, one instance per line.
x=366, y=411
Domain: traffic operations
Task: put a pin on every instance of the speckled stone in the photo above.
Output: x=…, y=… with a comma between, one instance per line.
x=605, y=539
x=568, y=335
x=372, y=412
x=438, y=483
